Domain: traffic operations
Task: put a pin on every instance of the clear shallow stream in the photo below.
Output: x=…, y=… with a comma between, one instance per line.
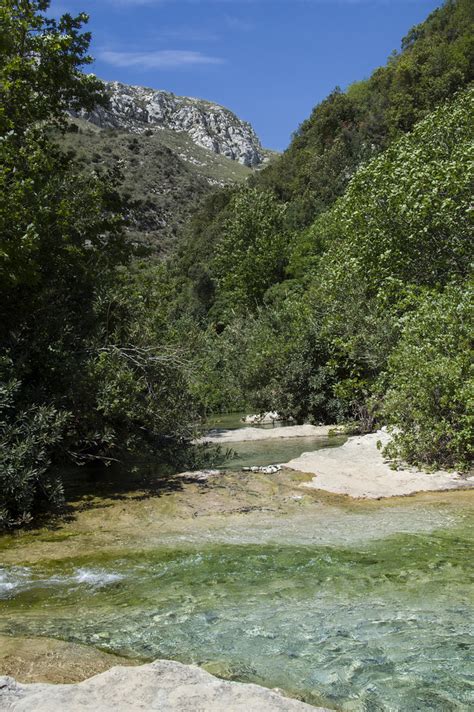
x=275, y=451
x=363, y=609
x=266, y=452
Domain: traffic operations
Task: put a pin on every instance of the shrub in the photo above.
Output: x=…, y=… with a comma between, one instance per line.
x=26, y=440
x=430, y=397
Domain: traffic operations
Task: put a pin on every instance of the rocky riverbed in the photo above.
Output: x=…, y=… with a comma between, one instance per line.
x=349, y=604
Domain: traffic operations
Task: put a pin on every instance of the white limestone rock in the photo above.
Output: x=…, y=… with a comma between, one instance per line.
x=263, y=418
x=136, y=109
x=163, y=686
x=266, y=469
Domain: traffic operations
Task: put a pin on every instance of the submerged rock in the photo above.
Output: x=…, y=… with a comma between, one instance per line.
x=56, y=661
x=162, y=685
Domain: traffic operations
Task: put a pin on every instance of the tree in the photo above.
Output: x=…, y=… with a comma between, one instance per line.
x=40, y=69
x=252, y=251
x=59, y=234
x=430, y=396
x=81, y=380
x=403, y=224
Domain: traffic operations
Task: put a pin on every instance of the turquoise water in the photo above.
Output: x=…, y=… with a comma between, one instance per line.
x=275, y=451
x=373, y=615
x=265, y=452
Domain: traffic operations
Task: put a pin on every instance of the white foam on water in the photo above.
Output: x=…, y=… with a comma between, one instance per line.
x=11, y=580
x=17, y=579
x=96, y=577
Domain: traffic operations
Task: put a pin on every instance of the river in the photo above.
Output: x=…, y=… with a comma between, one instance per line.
x=358, y=606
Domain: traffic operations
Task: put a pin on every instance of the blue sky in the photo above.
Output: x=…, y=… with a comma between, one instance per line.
x=270, y=61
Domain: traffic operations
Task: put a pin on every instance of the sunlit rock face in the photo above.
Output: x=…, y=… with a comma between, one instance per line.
x=162, y=685
x=209, y=125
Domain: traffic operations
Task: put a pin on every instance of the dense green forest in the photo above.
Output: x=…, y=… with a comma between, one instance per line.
x=333, y=287
x=308, y=282
x=89, y=367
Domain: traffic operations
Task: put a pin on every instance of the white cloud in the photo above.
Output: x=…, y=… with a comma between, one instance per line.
x=159, y=59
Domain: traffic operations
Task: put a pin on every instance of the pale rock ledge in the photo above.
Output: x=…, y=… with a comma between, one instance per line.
x=358, y=469
x=163, y=686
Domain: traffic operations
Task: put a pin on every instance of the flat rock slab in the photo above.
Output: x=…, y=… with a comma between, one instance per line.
x=358, y=469
x=47, y=660
x=248, y=434
x=163, y=685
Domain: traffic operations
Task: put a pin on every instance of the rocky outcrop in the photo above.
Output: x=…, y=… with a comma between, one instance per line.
x=137, y=109
x=163, y=685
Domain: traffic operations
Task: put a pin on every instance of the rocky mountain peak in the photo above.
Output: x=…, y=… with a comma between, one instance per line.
x=137, y=109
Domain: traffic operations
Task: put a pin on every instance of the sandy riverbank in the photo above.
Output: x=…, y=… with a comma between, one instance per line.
x=358, y=469
x=224, y=437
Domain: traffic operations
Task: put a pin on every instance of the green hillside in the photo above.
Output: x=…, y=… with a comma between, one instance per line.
x=165, y=176
x=350, y=127
x=305, y=281
x=333, y=286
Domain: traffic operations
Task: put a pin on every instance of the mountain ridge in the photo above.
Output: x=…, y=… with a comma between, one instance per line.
x=137, y=109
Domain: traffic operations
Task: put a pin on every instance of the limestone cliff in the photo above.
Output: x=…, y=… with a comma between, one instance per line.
x=138, y=109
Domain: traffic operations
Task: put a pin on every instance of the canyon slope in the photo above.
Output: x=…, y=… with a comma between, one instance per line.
x=173, y=151
x=137, y=109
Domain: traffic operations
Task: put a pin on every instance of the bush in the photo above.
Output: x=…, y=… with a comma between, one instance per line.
x=26, y=440
x=430, y=397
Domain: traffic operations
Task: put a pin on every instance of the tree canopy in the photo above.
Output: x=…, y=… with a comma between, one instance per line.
x=81, y=381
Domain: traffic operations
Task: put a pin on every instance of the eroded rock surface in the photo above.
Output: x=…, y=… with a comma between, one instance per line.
x=136, y=109
x=163, y=685
x=222, y=436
